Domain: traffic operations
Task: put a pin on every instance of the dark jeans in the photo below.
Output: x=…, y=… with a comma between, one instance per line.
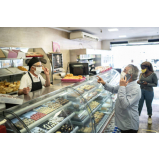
x=129, y=131
x=148, y=97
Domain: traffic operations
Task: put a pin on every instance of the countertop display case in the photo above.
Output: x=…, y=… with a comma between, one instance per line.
x=80, y=108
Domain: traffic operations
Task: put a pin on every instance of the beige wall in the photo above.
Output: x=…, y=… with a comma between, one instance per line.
x=35, y=37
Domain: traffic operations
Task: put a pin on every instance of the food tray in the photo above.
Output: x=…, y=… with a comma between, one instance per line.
x=19, y=125
x=45, y=123
x=29, y=114
x=38, y=130
x=37, y=116
x=73, y=80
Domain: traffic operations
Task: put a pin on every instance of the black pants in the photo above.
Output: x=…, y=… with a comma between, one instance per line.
x=129, y=131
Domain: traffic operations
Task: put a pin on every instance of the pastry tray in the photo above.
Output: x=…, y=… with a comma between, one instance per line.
x=73, y=80
x=29, y=114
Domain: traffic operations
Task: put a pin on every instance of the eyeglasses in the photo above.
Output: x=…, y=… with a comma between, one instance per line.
x=37, y=65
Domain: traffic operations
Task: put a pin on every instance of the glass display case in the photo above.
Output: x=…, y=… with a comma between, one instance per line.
x=82, y=108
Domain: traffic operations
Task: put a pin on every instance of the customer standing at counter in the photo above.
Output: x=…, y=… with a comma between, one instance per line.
x=32, y=80
x=147, y=81
x=129, y=94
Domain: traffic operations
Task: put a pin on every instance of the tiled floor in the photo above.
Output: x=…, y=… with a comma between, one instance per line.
x=144, y=127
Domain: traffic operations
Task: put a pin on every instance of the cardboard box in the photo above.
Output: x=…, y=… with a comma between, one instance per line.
x=2, y=54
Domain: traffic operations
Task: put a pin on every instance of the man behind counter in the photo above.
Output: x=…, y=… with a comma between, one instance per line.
x=32, y=80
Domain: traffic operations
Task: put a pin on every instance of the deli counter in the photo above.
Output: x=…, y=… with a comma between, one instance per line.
x=83, y=107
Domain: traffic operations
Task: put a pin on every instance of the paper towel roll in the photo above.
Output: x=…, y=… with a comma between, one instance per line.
x=62, y=74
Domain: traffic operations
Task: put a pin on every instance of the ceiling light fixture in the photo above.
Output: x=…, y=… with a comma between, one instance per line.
x=123, y=36
x=113, y=29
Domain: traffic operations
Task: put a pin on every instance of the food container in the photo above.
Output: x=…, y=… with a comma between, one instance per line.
x=73, y=80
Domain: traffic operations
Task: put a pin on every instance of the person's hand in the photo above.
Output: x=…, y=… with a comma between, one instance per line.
x=139, y=82
x=123, y=82
x=100, y=80
x=145, y=83
x=46, y=71
x=26, y=90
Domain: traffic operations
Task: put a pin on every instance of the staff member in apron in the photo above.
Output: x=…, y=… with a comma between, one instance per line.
x=32, y=80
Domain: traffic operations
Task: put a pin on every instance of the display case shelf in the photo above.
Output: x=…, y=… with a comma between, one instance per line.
x=100, y=127
x=101, y=123
x=61, y=123
x=13, y=74
x=38, y=122
x=83, y=106
x=15, y=58
x=75, y=129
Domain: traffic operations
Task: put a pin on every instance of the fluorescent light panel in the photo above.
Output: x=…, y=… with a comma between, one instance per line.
x=113, y=29
x=123, y=36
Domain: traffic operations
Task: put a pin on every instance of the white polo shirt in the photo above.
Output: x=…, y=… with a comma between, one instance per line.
x=27, y=82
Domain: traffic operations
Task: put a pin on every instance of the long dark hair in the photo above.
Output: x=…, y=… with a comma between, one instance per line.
x=149, y=65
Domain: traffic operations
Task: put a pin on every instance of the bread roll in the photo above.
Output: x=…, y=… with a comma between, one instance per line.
x=1, y=83
x=3, y=92
x=1, y=87
x=9, y=90
x=18, y=82
x=7, y=83
x=15, y=89
x=12, y=85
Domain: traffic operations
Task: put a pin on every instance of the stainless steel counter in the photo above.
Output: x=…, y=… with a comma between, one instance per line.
x=45, y=91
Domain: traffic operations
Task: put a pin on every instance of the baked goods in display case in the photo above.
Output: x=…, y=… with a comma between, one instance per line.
x=22, y=68
x=98, y=116
x=53, y=105
x=85, y=130
x=87, y=87
x=45, y=110
x=8, y=87
x=92, y=106
x=52, y=122
x=62, y=101
x=70, y=76
x=38, y=130
x=26, y=121
x=37, y=116
x=66, y=128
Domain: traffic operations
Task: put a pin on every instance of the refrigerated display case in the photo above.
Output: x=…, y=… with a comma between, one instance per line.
x=80, y=108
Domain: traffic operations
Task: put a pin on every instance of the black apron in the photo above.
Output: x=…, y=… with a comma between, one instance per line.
x=35, y=85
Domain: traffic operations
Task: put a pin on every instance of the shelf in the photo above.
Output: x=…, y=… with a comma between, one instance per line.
x=15, y=58
x=61, y=123
x=38, y=122
x=104, y=122
x=12, y=93
x=85, y=58
x=96, y=108
x=101, y=123
x=90, y=100
x=82, y=95
x=13, y=74
x=75, y=129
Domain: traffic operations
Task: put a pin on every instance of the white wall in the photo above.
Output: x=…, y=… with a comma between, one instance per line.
x=105, y=44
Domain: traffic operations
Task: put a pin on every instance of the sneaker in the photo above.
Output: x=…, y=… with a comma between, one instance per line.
x=149, y=120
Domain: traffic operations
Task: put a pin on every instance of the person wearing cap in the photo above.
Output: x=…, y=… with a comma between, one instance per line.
x=147, y=80
x=128, y=96
x=32, y=80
